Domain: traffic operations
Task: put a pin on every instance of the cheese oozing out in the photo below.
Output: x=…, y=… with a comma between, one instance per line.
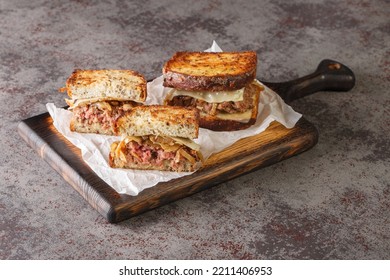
x=210, y=96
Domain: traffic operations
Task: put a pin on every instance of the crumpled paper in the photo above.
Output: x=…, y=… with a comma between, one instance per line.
x=95, y=148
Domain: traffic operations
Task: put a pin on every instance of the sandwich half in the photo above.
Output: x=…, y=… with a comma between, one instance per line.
x=98, y=98
x=221, y=85
x=158, y=138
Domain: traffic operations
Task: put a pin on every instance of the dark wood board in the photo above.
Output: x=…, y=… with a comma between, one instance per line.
x=273, y=145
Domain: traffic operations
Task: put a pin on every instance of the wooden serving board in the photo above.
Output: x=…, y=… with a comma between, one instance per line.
x=273, y=145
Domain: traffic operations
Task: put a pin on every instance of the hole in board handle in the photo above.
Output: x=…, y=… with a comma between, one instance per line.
x=334, y=66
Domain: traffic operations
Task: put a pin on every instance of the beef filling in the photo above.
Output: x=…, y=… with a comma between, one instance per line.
x=154, y=155
x=105, y=113
x=214, y=108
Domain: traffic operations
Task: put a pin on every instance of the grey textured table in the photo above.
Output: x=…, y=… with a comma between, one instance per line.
x=332, y=202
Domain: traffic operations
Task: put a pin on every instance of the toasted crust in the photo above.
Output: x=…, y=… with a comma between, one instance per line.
x=118, y=163
x=120, y=84
x=210, y=71
x=97, y=128
x=160, y=120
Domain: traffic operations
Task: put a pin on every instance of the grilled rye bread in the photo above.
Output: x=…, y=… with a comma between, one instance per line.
x=160, y=120
x=203, y=71
x=221, y=85
x=99, y=97
x=158, y=138
x=108, y=84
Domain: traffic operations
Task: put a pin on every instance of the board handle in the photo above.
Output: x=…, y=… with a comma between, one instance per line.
x=330, y=75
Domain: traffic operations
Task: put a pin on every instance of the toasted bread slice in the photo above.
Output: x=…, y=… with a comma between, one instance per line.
x=160, y=120
x=97, y=128
x=110, y=84
x=155, y=153
x=210, y=71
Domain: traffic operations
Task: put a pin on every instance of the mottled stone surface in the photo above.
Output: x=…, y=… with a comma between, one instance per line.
x=332, y=202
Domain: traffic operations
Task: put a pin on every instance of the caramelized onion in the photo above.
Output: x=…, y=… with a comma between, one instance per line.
x=103, y=105
x=137, y=139
x=122, y=156
x=119, y=148
x=161, y=140
x=199, y=154
x=127, y=107
x=169, y=148
x=187, y=156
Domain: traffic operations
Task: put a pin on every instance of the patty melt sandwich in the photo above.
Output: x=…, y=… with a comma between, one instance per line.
x=98, y=98
x=221, y=85
x=158, y=138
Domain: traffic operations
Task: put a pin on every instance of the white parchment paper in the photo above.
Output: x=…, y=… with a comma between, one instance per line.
x=95, y=148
